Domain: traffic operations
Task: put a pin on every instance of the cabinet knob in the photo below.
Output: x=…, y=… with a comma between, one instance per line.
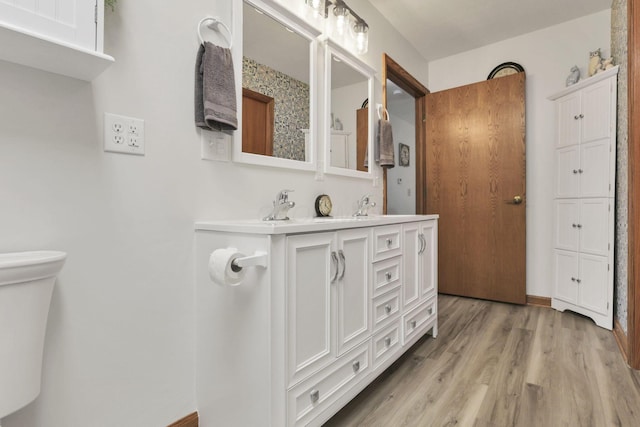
x=387, y=341
x=356, y=366
x=573, y=225
x=575, y=171
x=387, y=308
x=581, y=116
x=576, y=117
x=578, y=280
x=314, y=395
x=430, y=311
x=388, y=275
x=580, y=171
x=413, y=324
x=389, y=243
x=579, y=225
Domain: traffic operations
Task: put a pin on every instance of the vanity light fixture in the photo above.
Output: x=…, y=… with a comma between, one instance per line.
x=343, y=17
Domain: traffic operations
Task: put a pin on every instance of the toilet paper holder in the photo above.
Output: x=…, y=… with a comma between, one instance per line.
x=258, y=259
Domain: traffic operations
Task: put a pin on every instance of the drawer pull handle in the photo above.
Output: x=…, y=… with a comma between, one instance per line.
x=314, y=396
x=430, y=311
x=389, y=243
x=387, y=308
x=388, y=275
x=413, y=324
x=344, y=263
x=334, y=262
x=356, y=366
x=387, y=341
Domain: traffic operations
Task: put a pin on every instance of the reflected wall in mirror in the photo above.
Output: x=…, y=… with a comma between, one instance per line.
x=350, y=88
x=277, y=96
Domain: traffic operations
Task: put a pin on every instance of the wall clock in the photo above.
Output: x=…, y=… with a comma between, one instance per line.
x=505, y=69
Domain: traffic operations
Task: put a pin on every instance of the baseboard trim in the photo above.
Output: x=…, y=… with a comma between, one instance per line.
x=621, y=338
x=539, y=301
x=190, y=420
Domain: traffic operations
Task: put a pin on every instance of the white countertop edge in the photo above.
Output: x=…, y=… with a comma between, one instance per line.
x=306, y=225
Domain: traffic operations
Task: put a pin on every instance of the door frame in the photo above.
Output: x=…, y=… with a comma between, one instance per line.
x=633, y=189
x=393, y=71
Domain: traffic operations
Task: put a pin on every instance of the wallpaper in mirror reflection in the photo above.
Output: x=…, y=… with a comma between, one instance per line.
x=349, y=121
x=275, y=81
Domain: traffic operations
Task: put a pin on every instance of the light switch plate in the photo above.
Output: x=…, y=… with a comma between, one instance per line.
x=215, y=146
x=123, y=134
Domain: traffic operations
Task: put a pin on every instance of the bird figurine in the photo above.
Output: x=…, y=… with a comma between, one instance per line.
x=574, y=76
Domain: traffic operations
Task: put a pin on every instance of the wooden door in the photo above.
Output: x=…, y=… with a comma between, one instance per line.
x=257, y=122
x=475, y=174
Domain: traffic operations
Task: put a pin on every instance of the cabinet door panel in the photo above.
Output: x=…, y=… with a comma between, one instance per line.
x=568, y=124
x=410, y=284
x=594, y=228
x=596, y=111
x=309, y=275
x=566, y=275
x=428, y=259
x=64, y=20
x=567, y=166
x=594, y=163
x=352, y=288
x=566, y=222
x=593, y=283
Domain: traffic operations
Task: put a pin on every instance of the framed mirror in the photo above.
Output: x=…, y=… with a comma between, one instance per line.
x=348, y=114
x=279, y=89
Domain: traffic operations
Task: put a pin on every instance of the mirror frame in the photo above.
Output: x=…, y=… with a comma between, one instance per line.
x=333, y=49
x=305, y=30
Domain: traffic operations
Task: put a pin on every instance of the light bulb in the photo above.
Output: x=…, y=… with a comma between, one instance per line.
x=362, y=38
x=340, y=12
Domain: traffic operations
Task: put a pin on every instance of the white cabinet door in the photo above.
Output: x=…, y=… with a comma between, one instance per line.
x=593, y=283
x=340, y=150
x=566, y=276
x=596, y=111
x=428, y=258
x=594, y=169
x=69, y=21
x=411, y=266
x=311, y=269
x=594, y=226
x=569, y=120
x=352, y=288
x=567, y=218
x=567, y=171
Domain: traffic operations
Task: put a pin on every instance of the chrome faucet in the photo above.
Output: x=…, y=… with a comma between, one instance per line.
x=280, y=207
x=364, y=204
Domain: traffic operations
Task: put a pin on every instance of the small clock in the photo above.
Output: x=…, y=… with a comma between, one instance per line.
x=323, y=205
x=505, y=69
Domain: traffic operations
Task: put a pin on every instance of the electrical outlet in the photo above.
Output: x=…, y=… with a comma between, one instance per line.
x=123, y=134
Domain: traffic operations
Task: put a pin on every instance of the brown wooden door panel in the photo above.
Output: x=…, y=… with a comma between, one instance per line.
x=257, y=122
x=475, y=167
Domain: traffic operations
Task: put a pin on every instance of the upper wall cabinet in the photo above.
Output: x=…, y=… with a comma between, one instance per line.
x=60, y=36
x=347, y=117
x=279, y=88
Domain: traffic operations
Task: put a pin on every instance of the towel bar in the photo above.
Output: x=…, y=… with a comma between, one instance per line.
x=214, y=25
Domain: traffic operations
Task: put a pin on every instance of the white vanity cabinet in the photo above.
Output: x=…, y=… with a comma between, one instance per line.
x=295, y=341
x=584, y=203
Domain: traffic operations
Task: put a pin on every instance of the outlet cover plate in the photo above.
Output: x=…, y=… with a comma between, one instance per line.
x=215, y=146
x=123, y=134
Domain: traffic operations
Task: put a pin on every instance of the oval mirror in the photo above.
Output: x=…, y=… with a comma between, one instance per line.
x=278, y=88
x=348, y=117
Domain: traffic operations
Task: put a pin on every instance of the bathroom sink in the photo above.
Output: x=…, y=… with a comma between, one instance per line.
x=21, y=266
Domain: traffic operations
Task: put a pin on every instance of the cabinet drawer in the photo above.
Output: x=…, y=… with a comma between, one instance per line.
x=386, y=275
x=417, y=320
x=316, y=393
x=385, y=307
x=386, y=242
x=386, y=343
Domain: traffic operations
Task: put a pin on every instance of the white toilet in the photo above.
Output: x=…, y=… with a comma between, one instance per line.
x=26, y=285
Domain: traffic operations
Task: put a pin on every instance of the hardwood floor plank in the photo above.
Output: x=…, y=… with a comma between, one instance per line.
x=499, y=365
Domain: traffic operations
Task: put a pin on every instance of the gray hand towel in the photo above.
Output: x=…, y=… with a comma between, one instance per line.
x=384, y=148
x=215, y=89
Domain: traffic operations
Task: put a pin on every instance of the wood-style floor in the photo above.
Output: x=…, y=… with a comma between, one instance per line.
x=496, y=364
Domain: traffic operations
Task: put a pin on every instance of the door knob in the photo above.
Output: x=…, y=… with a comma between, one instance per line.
x=515, y=201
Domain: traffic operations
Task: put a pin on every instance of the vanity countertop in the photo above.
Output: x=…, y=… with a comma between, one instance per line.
x=307, y=225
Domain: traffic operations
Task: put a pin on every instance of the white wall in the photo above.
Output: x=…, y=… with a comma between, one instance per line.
x=401, y=197
x=120, y=340
x=547, y=56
